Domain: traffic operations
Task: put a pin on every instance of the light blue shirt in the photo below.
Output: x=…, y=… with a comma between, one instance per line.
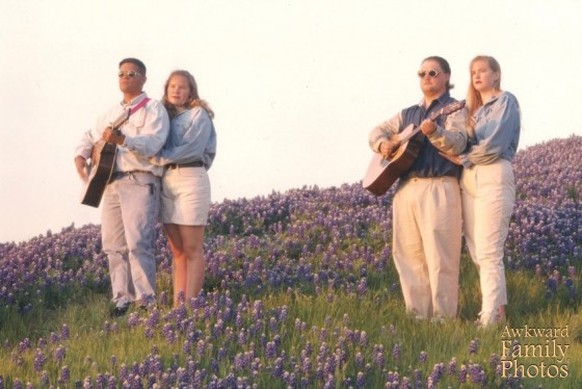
x=192, y=138
x=145, y=134
x=497, y=130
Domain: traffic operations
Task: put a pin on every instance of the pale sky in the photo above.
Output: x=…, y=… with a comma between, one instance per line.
x=296, y=85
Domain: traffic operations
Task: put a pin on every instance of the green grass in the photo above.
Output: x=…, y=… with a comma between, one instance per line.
x=326, y=317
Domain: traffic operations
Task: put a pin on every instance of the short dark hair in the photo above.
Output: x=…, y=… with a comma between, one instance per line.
x=136, y=62
x=444, y=64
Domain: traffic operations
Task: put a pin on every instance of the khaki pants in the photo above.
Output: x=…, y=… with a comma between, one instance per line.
x=427, y=244
x=488, y=197
x=129, y=216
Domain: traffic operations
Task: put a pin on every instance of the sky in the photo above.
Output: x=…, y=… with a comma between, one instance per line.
x=296, y=85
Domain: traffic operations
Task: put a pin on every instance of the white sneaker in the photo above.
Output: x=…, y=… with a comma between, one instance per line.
x=487, y=319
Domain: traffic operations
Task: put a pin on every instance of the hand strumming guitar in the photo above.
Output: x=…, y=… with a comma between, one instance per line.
x=388, y=147
x=82, y=168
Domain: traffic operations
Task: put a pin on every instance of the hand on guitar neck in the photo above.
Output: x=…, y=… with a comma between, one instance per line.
x=113, y=136
x=428, y=127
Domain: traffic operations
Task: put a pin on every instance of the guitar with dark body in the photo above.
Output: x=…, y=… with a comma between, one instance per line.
x=383, y=172
x=102, y=166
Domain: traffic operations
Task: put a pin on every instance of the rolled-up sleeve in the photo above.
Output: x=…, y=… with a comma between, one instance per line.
x=497, y=131
x=85, y=146
x=198, y=142
x=452, y=138
x=385, y=131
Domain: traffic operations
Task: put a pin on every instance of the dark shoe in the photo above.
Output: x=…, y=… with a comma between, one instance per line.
x=146, y=304
x=119, y=311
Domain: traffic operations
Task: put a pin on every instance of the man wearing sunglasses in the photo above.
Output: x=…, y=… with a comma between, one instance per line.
x=130, y=201
x=427, y=203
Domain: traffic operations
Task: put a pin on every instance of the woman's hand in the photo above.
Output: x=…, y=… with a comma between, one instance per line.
x=456, y=159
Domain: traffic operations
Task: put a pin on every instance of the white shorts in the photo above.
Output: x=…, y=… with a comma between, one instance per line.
x=185, y=196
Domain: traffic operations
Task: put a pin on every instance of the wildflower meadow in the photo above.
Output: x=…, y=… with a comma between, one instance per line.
x=301, y=292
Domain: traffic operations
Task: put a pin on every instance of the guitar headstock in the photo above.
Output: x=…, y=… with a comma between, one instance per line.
x=447, y=110
x=457, y=105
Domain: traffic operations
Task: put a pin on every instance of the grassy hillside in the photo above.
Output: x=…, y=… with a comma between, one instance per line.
x=301, y=291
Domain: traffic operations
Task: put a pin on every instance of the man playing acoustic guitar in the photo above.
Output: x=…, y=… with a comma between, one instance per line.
x=131, y=196
x=427, y=201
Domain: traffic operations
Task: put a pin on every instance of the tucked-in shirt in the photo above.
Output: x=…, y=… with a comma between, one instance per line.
x=145, y=134
x=192, y=138
x=496, y=133
x=429, y=162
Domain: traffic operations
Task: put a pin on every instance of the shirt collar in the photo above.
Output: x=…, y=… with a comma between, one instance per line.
x=441, y=100
x=136, y=100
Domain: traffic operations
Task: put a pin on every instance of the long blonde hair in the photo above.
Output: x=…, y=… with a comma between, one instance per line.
x=474, y=100
x=194, y=99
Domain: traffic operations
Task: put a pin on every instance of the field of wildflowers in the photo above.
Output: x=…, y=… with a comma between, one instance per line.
x=301, y=292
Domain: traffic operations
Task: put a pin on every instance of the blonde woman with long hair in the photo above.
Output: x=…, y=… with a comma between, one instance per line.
x=185, y=199
x=493, y=124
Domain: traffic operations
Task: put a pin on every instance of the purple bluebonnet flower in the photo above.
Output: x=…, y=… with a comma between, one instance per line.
x=59, y=353
x=271, y=350
x=477, y=374
x=362, y=286
x=54, y=338
x=494, y=360
x=278, y=367
x=65, y=332
x=169, y=333
x=65, y=376
x=437, y=373
x=452, y=366
x=133, y=320
x=463, y=374
x=187, y=346
x=360, y=380
x=396, y=352
x=474, y=346
x=24, y=345
x=363, y=339
x=379, y=359
x=44, y=378
x=39, y=360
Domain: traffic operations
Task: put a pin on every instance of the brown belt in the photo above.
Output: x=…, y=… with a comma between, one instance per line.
x=187, y=164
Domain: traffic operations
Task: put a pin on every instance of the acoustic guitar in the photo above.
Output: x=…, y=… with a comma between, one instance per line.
x=383, y=172
x=102, y=165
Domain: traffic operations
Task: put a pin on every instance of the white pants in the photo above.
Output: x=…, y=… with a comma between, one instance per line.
x=427, y=244
x=130, y=212
x=488, y=198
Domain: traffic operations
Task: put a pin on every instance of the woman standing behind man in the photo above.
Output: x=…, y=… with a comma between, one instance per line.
x=493, y=123
x=187, y=155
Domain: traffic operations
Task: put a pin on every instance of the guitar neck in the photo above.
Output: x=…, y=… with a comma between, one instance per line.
x=406, y=135
x=120, y=120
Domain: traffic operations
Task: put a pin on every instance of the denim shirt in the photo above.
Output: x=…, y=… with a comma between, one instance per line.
x=145, y=134
x=192, y=138
x=497, y=130
x=429, y=162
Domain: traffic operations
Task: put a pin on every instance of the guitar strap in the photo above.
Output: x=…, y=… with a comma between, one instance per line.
x=137, y=107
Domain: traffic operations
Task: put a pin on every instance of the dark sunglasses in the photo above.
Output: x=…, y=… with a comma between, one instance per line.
x=130, y=74
x=431, y=73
